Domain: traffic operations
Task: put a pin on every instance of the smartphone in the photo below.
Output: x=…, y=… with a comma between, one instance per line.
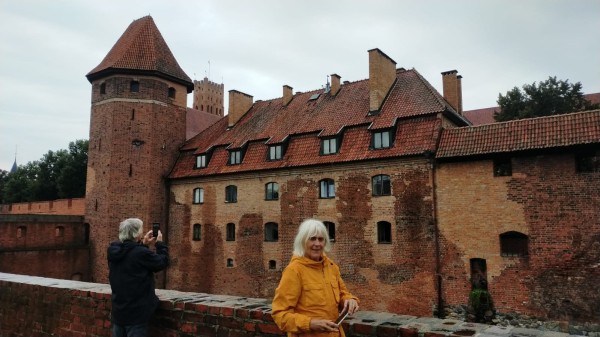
x=155, y=227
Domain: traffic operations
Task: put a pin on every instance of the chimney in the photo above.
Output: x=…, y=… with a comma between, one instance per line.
x=287, y=94
x=382, y=74
x=239, y=104
x=335, y=84
x=452, y=84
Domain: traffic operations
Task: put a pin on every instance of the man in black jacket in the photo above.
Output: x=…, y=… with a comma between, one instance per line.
x=131, y=274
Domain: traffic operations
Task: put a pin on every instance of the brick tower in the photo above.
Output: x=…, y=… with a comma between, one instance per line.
x=208, y=97
x=137, y=124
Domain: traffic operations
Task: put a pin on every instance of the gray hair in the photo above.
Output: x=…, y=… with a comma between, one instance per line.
x=309, y=228
x=130, y=229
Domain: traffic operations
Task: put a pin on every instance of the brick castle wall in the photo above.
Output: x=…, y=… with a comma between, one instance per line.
x=372, y=270
x=34, y=306
x=75, y=206
x=545, y=199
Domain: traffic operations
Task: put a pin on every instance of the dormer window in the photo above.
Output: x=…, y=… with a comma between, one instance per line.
x=381, y=139
x=275, y=152
x=329, y=146
x=201, y=161
x=235, y=157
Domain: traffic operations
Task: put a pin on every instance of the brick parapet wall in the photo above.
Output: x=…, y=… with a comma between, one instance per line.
x=75, y=206
x=36, y=306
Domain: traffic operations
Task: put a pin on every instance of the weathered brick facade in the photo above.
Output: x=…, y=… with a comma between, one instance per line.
x=372, y=270
x=545, y=199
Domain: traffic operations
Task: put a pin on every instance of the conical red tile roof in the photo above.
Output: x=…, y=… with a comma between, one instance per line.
x=141, y=50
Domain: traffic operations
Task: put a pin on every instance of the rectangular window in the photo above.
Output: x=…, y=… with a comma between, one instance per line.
x=382, y=139
x=327, y=189
x=275, y=152
x=201, y=161
x=587, y=162
x=235, y=157
x=329, y=146
x=198, y=196
x=502, y=167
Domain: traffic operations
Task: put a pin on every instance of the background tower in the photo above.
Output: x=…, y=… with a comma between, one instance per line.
x=208, y=97
x=137, y=124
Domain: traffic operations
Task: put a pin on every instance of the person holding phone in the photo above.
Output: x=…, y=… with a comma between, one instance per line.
x=132, y=265
x=311, y=293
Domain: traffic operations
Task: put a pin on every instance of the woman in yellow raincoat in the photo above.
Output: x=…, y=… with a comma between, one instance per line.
x=311, y=293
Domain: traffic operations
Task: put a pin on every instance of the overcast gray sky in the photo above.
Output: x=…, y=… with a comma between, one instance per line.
x=47, y=47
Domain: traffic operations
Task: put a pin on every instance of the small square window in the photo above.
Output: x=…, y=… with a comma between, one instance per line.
x=201, y=161
x=275, y=152
x=134, y=86
x=382, y=139
x=329, y=146
x=587, y=162
x=235, y=157
x=381, y=185
x=502, y=167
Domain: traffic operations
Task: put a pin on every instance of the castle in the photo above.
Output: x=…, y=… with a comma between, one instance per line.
x=423, y=207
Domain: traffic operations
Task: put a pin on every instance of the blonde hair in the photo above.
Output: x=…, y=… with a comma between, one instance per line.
x=130, y=229
x=309, y=228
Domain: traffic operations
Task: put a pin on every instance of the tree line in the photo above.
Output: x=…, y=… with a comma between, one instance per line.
x=57, y=175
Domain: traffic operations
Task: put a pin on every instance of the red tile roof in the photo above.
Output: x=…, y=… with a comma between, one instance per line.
x=141, y=50
x=481, y=116
x=412, y=106
x=196, y=121
x=486, y=115
x=520, y=135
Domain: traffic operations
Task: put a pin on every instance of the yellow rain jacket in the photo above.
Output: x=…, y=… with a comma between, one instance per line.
x=309, y=289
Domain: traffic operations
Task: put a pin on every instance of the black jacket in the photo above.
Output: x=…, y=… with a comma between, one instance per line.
x=131, y=275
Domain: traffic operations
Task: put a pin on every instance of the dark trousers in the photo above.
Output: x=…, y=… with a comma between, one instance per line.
x=138, y=330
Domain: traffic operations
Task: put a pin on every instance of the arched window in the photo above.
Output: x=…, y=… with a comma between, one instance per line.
x=381, y=185
x=384, y=232
x=230, y=232
x=21, y=231
x=198, y=197
x=271, y=232
x=171, y=93
x=231, y=193
x=326, y=189
x=514, y=244
x=197, y=236
x=271, y=191
x=330, y=230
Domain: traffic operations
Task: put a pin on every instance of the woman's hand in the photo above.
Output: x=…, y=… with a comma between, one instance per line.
x=322, y=325
x=351, y=305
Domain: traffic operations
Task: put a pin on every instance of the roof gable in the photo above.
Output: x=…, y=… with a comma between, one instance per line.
x=141, y=50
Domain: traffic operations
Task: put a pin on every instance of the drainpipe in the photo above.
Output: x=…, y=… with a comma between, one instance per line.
x=436, y=236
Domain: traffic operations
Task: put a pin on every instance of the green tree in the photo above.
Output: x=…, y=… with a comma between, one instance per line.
x=71, y=179
x=550, y=97
x=58, y=175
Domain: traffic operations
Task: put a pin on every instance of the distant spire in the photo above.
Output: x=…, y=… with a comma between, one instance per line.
x=14, y=167
x=327, y=86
